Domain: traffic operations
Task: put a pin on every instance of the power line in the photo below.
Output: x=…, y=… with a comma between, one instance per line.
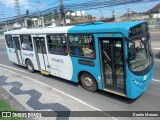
x=87, y=5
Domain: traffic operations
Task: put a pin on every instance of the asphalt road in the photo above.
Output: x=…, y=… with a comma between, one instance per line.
x=149, y=101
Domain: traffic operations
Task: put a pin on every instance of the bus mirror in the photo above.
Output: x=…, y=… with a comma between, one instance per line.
x=132, y=52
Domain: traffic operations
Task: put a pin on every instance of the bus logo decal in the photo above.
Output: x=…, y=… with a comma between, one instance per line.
x=58, y=60
x=29, y=55
x=11, y=51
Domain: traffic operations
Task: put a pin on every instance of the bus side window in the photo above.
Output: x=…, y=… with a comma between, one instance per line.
x=26, y=42
x=73, y=45
x=9, y=41
x=57, y=44
x=82, y=46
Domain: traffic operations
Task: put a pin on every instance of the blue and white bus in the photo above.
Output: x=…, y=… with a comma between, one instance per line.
x=114, y=57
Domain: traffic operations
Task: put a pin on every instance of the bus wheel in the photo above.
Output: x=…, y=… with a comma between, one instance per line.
x=30, y=66
x=88, y=82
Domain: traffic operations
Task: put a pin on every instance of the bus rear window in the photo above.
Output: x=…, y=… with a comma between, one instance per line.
x=9, y=41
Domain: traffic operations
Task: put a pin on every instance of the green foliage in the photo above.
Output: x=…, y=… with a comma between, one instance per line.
x=48, y=17
x=4, y=106
x=70, y=17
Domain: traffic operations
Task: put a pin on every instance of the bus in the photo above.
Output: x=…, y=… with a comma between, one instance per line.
x=113, y=57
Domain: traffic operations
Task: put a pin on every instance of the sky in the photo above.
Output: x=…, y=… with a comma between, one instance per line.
x=7, y=7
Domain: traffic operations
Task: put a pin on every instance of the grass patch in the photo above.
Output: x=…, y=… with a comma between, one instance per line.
x=5, y=106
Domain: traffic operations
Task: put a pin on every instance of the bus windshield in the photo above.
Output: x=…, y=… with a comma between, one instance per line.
x=140, y=53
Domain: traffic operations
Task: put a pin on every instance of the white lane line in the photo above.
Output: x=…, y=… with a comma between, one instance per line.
x=155, y=38
x=156, y=48
x=157, y=60
x=14, y=68
x=74, y=98
x=156, y=80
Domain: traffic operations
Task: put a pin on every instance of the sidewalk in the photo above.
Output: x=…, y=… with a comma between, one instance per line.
x=154, y=30
x=34, y=96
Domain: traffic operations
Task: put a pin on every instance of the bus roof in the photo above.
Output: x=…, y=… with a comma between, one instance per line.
x=61, y=29
x=95, y=27
x=120, y=27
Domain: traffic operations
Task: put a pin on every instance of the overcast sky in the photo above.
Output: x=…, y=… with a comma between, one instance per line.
x=7, y=6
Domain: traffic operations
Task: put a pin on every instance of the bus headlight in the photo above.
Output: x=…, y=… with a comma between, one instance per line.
x=145, y=78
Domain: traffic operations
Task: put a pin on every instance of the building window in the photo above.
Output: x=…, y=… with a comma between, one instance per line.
x=82, y=46
x=26, y=43
x=9, y=41
x=57, y=44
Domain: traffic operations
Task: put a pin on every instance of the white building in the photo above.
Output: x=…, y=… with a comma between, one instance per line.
x=68, y=21
x=77, y=13
x=156, y=15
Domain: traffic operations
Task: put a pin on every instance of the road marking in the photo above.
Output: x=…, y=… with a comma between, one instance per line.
x=14, y=68
x=154, y=32
x=155, y=38
x=2, y=43
x=156, y=48
x=156, y=60
x=70, y=96
x=156, y=80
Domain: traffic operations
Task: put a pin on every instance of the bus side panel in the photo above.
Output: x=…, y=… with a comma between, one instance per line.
x=11, y=54
x=93, y=70
x=31, y=56
x=60, y=66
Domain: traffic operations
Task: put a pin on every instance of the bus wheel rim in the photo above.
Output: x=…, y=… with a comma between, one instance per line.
x=88, y=81
x=29, y=67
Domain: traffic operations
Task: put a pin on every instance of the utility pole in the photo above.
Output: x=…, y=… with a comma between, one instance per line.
x=113, y=14
x=129, y=14
x=17, y=9
x=62, y=12
x=101, y=14
x=41, y=9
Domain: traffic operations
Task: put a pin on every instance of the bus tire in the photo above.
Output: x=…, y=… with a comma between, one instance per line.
x=88, y=82
x=30, y=66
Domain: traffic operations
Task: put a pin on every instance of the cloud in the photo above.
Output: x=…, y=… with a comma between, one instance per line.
x=10, y=3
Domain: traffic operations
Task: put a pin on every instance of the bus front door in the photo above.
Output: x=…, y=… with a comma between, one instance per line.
x=41, y=54
x=18, y=51
x=112, y=64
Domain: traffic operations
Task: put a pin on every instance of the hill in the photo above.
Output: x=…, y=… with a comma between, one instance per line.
x=155, y=9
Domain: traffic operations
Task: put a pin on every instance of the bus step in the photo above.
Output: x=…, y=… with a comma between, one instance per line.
x=114, y=92
x=44, y=72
